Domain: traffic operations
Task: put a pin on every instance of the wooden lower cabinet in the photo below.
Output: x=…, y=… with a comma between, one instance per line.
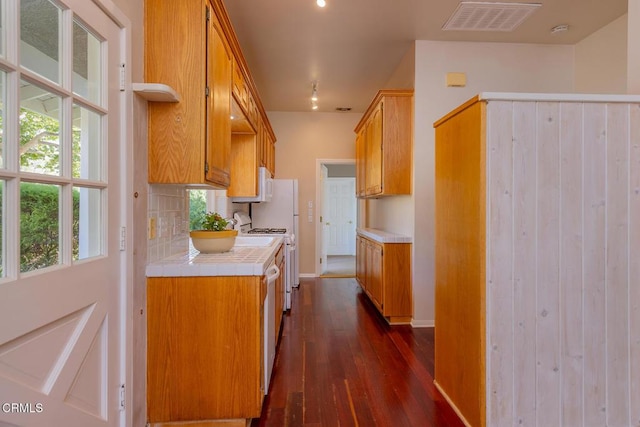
x=205, y=348
x=383, y=270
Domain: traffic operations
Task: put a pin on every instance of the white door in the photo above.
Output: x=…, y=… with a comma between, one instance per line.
x=340, y=221
x=322, y=207
x=60, y=177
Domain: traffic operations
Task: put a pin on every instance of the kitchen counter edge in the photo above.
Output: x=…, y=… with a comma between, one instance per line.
x=381, y=236
x=240, y=261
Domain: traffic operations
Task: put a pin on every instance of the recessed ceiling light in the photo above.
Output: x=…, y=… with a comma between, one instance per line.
x=321, y=3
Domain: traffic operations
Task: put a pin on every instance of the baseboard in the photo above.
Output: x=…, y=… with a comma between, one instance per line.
x=422, y=323
x=307, y=275
x=453, y=406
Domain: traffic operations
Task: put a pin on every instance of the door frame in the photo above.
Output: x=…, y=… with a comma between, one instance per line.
x=319, y=206
x=126, y=211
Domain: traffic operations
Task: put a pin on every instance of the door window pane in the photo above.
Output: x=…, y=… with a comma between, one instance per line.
x=40, y=37
x=39, y=130
x=39, y=225
x=3, y=101
x=87, y=64
x=87, y=144
x=3, y=35
x=87, y=222
x=2, y=229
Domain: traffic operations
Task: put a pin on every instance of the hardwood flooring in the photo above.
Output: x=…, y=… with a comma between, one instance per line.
x=340, y=364
x=340, y=266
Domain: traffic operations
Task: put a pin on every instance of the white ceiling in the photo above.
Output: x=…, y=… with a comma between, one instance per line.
x=351, y=47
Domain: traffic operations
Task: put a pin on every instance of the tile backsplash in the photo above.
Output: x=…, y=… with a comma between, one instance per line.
x=168, y=210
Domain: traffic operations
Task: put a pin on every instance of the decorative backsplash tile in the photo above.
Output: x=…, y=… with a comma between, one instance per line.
x=169, y=212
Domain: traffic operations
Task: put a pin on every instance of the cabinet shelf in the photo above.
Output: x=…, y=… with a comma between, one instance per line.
x=156, y=92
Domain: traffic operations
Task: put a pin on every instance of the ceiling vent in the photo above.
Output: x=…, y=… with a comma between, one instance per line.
x=485, y=16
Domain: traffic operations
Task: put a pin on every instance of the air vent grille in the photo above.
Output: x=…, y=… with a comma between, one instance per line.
x=485, y=16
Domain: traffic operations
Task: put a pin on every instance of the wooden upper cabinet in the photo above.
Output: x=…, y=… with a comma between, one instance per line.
x=190, y=45
x=360, y=167
x=178, y=41
x=373, y=152
x=240, y=90
x=384, y=145
x=219, y=65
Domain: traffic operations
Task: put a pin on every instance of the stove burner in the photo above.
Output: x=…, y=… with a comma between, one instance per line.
x=267, y=231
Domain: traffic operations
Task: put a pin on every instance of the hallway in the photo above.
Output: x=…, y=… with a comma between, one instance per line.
x=340, y=364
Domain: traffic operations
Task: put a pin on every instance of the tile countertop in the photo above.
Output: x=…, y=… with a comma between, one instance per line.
x=239, y=261
x=383, y=236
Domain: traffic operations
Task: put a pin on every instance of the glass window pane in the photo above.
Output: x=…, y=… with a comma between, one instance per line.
x=3, y=35
x=40, y=38
x=197, y=207
x=39, y=226
x=3, y=244
x=87, y=222
x=87, y=64
x=2, y=118
x=87, y=144
x=39, y=130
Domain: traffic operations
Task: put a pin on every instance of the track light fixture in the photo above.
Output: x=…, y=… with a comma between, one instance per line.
x=314, y=95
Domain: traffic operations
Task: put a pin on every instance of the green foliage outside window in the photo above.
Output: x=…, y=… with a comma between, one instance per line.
x=39, y=203
x=197, y=208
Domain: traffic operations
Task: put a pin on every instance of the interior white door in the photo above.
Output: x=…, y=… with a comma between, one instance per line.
x=324, y=173
x=61, y=325
x=340, y=223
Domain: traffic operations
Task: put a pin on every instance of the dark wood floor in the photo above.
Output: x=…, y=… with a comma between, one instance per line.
x=340, y=364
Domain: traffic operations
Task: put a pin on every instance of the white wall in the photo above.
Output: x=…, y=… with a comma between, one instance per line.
x=489, y=67
x=301, y=139
x=633, y=47
x=601, y=60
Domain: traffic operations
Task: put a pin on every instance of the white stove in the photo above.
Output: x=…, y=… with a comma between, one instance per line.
x=267, y=231
x=244, y=226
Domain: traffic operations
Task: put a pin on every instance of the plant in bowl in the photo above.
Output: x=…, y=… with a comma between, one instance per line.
x=213, y=237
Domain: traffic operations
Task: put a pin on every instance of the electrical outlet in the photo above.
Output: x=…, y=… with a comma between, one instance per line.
x=151, y=230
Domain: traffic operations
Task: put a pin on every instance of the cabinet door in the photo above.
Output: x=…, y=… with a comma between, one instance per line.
x=361, y=256
x=219, y=80
x=374, y=152
x=360, y=164
x=174, y=51
x=374, y=272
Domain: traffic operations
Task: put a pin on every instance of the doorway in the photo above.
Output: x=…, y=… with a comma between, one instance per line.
x=336, y=228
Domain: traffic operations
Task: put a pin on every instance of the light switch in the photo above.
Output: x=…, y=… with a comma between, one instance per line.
x=310, y=203
x=310, y=218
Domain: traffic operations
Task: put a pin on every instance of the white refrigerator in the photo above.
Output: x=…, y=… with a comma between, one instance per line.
x=282, y=212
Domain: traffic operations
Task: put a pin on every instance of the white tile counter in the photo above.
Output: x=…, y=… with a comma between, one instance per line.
x=239, y=261
x=383, y=236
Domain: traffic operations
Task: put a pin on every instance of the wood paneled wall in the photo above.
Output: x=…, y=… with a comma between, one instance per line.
x=563, y=264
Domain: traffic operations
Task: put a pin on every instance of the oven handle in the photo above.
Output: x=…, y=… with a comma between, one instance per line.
x=273, y=272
